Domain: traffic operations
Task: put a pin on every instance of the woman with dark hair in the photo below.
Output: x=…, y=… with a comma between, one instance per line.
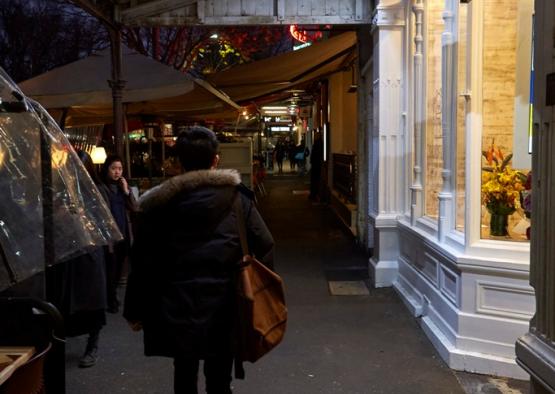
x=121, y=203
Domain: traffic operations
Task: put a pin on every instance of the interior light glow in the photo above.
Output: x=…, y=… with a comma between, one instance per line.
x=284, y=112
x=274, y=108
x=98, y=155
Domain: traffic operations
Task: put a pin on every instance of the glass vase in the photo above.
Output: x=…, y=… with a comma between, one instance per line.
x=498, y=224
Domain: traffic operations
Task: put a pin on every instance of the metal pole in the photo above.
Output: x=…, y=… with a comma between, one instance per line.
x=55, y=366
x=117, y=85
x=127, y=151
x=47, y=199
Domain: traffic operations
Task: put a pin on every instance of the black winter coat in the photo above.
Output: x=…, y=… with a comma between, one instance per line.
x=184, y=261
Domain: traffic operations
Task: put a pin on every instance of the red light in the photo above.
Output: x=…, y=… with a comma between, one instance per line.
x=299, y=35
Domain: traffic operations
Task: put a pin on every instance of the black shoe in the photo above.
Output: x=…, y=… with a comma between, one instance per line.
x=89, y=359
x=113, y=308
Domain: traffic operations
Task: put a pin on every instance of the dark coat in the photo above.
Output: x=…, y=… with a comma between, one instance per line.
x=121, y=206
x=184, y=261
x=78, y=289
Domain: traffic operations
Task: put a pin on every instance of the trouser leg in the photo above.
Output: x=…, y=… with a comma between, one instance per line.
x=111, y=282
x=114, y=264
x=217, y=371
x=185, y=375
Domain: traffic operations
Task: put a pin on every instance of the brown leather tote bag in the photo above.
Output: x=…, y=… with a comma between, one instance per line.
x=262, y=314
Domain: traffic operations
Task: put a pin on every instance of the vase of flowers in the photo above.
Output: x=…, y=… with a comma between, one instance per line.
x=501, y=187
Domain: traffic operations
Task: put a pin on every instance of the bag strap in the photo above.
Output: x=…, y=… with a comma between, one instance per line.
x=241, y=224
x=242, y=228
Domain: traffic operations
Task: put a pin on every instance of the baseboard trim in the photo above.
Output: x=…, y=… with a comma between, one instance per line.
x=383, y=273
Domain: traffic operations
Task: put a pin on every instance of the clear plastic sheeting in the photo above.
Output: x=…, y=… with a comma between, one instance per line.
x=75, y=218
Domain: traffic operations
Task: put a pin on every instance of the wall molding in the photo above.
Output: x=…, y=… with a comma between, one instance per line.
x=485, y=305
x=389, y=16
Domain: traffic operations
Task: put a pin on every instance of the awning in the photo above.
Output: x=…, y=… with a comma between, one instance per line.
x=151, y=88
x=255, y=80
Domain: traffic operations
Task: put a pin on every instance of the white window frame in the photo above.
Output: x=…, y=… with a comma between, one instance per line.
x=501, y=253
x=449, y=236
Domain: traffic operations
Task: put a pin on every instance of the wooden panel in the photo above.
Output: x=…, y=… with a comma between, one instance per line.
x=248, y=7
x=347, y=7
x=263, y=20
x=233, y=7
x=290, y=7
x=317, y=7
x=449, y=284
x=505, y=299
x=220, y=7
x=209, y=8
x=12, y=358
x=280, y=9
x=359, y=9
x=264, y=7
x=201, y=9
x=304, y=7
x=331, y=7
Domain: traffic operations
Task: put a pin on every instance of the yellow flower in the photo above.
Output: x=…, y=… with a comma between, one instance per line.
x=501, y=184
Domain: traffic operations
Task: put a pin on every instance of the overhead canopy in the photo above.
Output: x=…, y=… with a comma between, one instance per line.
x=255, y=80
x=151, y=88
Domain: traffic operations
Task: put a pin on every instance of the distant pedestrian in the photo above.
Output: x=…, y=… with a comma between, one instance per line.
x=181, y=287
x=122, y=204
x=279, y=152
x=291, y=151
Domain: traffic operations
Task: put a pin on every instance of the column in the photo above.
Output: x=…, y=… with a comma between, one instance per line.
x=536, y=350
x=448, y=116
x=419, y=113
x=117, y=85
x=387, y=136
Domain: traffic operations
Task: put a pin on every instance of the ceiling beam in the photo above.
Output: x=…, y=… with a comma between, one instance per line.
x=153, y=8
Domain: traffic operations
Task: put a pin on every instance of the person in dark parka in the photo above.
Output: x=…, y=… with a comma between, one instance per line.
x=184, y=261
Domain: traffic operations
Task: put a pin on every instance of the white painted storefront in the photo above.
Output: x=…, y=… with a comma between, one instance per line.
x=447, y=79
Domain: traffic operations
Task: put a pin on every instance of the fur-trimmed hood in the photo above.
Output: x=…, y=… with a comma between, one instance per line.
x=187, y=181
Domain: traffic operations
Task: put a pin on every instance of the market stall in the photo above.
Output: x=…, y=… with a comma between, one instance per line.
x=51, y=212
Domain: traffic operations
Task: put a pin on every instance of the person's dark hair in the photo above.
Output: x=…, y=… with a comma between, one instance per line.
x=109, y=160
x=196, y=148
x=88, y=164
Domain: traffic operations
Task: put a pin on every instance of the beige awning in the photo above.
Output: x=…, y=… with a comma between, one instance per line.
x=279, y=73
x=151, y=88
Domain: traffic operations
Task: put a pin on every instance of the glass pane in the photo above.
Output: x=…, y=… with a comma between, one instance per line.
x=506, y=160
x=462, y=84
x=434, y=160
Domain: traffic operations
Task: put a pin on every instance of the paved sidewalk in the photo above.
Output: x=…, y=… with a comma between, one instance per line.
x=334, y=344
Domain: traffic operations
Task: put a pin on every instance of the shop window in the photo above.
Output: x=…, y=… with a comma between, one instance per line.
x=433, y=133
x=506, y=77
